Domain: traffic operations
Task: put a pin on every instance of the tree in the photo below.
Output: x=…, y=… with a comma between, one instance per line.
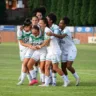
x=33, y=4
x=84, y=12
x=77, y=12
x=92, y=13
x=2, y=11
x=64, y=7
x=54, y=5
x=47, y=3
x=58, y=13
x=70, y=11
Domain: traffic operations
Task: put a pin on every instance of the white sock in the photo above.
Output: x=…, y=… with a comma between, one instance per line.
x=47, y=80
x=76, y=75
x=51, y=72
x=29, y=77
x=36, y=70
x=23, y=75
x=65, y=78
x=40, y=73
x=21, y=72
x=43, y=78
x=33, y=74
x=54, y=78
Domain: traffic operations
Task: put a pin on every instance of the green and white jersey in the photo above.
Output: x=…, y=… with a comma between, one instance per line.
x=36, y=40
x=22, y=35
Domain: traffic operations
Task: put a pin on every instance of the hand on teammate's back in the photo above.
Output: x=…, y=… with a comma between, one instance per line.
x=49, y=33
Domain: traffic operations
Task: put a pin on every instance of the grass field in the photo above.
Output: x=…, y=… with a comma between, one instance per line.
x=85, y=65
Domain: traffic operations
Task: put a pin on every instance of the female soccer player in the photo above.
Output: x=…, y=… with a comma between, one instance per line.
x=23, y=38
x=68, y=48
x=37, y=39
x=34, y=20
x=51, y=17
x=39, y=12
x=53, y=54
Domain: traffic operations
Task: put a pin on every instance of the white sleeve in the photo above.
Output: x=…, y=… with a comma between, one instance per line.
x=19, y=34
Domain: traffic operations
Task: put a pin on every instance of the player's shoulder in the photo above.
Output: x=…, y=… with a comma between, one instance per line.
x=54, y=26
x=66, y=30
x=47, y=29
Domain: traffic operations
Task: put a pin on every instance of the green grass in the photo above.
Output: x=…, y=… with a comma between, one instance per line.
x=85, y=65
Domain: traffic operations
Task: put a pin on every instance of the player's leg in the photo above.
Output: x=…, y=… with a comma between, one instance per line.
x=55, y=62
x=71, y=57
x=64, y=64
x=47, y=70
x=42, y=68
x=26, y=53
x=24, y=70
x=36, y=68
x=60, y=72
x=53, y=77
x=35, y=57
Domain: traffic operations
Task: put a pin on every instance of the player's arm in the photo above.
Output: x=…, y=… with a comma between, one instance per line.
x=24, y=44
x=56, y=35
x=27, y=45
x=45, y=43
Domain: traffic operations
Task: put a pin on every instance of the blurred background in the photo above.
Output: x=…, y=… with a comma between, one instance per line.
x=82, y=14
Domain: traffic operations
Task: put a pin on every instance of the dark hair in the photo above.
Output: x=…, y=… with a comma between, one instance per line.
x=40, y=9
x=52, y=17
x=66, y=20
x=27, y=22
x=35, y=27
x=45, y=21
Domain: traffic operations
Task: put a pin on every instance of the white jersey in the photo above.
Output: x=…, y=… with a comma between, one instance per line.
x=53, y=47
x=55, y=29
x=22, y=35
x=67, y=42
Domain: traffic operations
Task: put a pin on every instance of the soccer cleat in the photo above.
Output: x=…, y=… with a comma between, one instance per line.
x=66, y=83
x=53, y=84
x=77, y=81
x=34, y=81
x=20, y=83
x=44, y=85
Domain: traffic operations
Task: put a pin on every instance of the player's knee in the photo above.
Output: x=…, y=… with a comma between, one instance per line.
x=55, y=68
x=47, y=67
x=42, y=69
x=28, y=65
x=68, y=67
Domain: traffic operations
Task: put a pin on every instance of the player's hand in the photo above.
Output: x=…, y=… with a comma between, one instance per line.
x=38, y=47
x=34, y=47
x=49, y=33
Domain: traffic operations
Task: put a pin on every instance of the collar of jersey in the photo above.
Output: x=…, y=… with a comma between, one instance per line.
x=26, y=32
x=35, y=36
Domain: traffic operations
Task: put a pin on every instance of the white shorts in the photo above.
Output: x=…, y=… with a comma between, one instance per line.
x=39, y=55
x=29, y=53
x=53, y=58
x=70, y=56
x=22, y=53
